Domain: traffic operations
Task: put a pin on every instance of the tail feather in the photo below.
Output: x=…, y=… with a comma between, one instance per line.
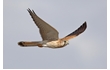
x=29, y=44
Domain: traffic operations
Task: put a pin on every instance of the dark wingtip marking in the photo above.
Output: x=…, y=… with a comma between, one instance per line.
x=28, y=9
x=20, y=43
x=81, y=29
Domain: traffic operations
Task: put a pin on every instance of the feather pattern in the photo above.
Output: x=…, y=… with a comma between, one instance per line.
x=76, y=32
x=47, y=32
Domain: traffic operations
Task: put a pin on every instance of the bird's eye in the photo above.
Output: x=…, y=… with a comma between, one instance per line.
x=64, y=42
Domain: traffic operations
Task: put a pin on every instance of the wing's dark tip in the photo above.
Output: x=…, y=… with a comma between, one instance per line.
x=20, y=43
x=28, y=9
x=78, y=31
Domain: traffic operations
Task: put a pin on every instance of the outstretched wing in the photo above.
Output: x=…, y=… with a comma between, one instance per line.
x=76, y=32
x=47, y=32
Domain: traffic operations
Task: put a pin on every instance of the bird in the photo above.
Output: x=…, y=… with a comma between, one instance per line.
x=50, y=38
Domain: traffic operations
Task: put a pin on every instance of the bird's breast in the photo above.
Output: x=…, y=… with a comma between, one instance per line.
x=54, y=44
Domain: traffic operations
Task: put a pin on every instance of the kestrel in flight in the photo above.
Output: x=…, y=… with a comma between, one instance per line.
x=49, y=34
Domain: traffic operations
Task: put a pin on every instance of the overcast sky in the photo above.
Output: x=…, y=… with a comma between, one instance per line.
x=88, y=50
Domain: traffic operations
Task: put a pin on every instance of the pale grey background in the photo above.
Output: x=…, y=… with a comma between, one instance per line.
x=89, y=50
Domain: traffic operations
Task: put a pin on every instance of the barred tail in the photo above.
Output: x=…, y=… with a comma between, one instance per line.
x=29, y=44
